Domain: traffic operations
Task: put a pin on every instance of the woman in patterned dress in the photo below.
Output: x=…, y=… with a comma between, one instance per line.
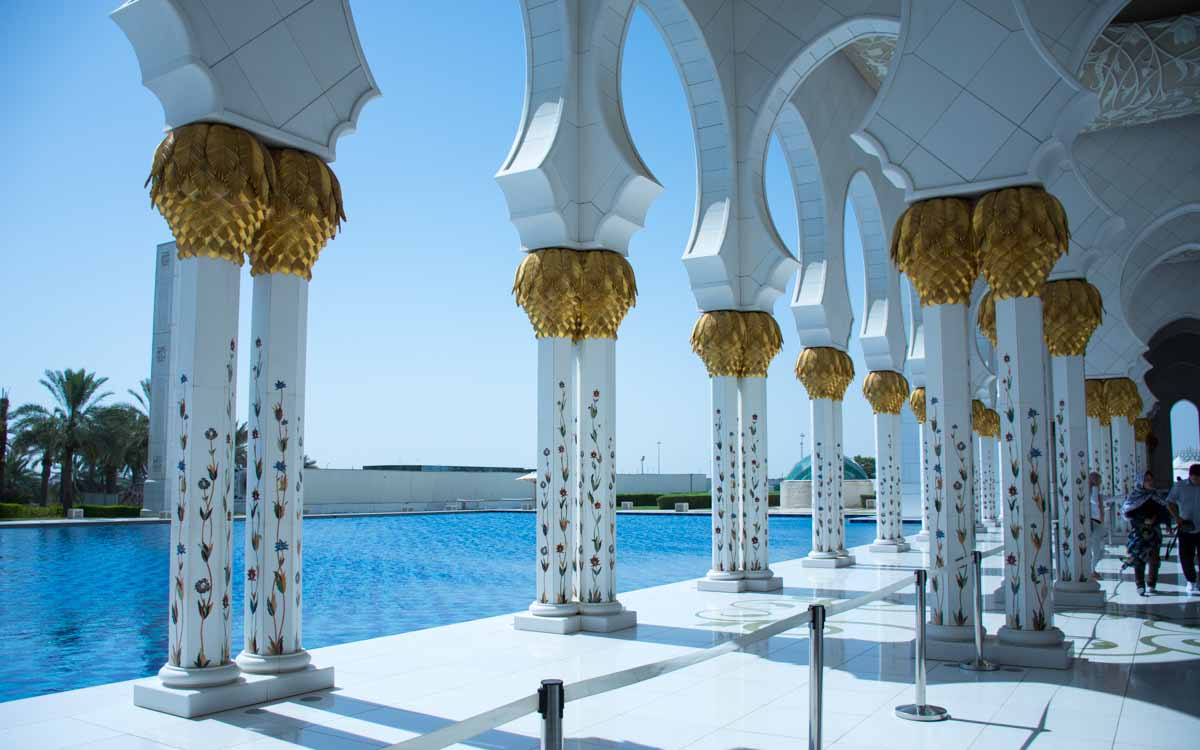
x=1146, y=514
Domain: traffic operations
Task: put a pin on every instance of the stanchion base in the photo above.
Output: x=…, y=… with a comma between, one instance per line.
x=926, y=712
x=979, y=665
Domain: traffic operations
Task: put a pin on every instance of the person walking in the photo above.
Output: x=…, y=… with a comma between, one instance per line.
x=1184, y=504
x=1145, y=513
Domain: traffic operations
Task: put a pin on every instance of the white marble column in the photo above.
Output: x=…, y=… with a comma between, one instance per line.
x=201, y=432
x=726, y=497
x=557, y=488
x=889, y=528
x=987, y=479
x=1124, y=457
x=952, y=528
x=827, y=467
x=839, y=482
x=1141, y=451
x=1075, y=585
x=916, y=401
x=597, y=477
x=274, y=476
x=976, y=496
x=752, y=411
x=1107, y=475
x=1029, y=602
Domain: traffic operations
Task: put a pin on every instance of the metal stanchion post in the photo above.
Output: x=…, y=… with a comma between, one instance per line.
x=920, y=710
x=978, y=664
x=816, y=669
x=550, y=706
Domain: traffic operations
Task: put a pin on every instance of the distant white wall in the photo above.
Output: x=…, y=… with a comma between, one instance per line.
x=327, y=490
x=661, y=483
x=365, y=491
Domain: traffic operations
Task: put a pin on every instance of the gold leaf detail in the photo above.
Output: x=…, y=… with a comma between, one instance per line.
x=1021, y=233
x=916, y=402
x=576, y=294
x=305, y=212
x=986, y=317
x=1095, y=403
x=933, y=246
x=212, y=184
x=1141, y=429
x=736, y=343
x=1071, y=312
x=825, y=372
x=886, y=391
x=1122, y=398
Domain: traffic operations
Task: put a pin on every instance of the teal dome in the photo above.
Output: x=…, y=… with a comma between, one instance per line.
x=803, y=470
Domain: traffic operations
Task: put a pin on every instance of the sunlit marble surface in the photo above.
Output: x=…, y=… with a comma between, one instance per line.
x=1135, y=685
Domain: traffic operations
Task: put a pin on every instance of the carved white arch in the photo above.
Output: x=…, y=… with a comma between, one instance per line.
x=1173, y=232
x=573, y=177
x=882, y=334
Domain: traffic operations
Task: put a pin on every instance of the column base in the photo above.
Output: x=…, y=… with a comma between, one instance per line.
x=888, y=546
x=245, y=690
x=770, y=582
x=1075, y=594
x=184, y=678
x=260, y=664
x=1040, y=638
x=1043, y=657
x=566, y=609
x=600, y=623
x=827, y=560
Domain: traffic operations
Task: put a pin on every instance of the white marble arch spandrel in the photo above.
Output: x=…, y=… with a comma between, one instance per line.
x=827, y=169
x=740, y=62
x=573, y=177
x=291, y=72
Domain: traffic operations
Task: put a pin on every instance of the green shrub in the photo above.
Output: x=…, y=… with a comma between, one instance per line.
x=111, y=511
x=639, y=499
x=21, y=510
x=701, y=500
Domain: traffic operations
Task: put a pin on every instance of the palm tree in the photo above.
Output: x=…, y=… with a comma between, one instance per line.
x=239, y=456
x=112, y=440
x=77, y=394
x=142, y=396
x=40, y=431
x=3, y=436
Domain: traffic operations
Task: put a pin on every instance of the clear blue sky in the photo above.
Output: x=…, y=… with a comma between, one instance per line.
x=417, y=353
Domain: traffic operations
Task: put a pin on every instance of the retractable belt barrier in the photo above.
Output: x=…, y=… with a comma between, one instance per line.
x=553, y=695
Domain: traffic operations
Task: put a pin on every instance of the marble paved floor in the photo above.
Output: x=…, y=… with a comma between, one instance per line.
x=1135, y=685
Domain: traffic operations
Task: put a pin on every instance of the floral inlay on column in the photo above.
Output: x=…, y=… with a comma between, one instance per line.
x=937, y=534
x=181, y=513
x=754, y=482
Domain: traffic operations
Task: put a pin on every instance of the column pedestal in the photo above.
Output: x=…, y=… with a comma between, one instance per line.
x=597, y=562
x=1029, y=599
x=926, y=492
x=557, y=491
x=1075, y=586
x=828, y=544
x=752, y=416
x=952, y=524
x=726, y=574
x=275, y=477
x=889, y=530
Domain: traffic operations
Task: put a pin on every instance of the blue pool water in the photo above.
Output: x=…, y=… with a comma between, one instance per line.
x=86, y=605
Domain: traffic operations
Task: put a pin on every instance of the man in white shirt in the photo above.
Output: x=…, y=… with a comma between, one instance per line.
x=1184, y=504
